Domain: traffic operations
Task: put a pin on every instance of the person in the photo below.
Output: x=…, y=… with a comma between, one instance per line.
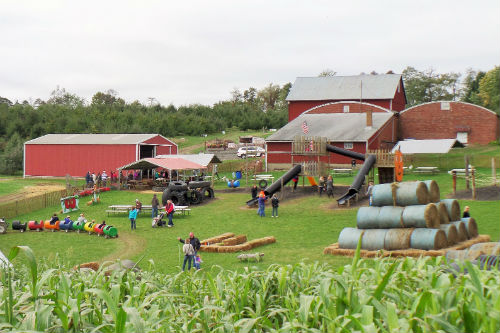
x=82, y=218
x=275, y=203
x=138, y=205
x=169, y=210
x=67, y=219
x=54, y=219
x=466, y=211
x=254, y=192
x=262, y=204
x=154, y=206
x=329, y=186
x=189, y=253
x=88, y=179
x=99, y=180
x=369, y=191
x=216, y=173
x=197, y=261
x=321, y=185
x=94, y=179
x=195, y=242
x=132, y=215
x=104, y=177
x=295, y=182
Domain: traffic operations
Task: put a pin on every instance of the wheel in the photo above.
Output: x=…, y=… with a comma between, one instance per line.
x=198, y=184
x=263, y=183
x=208, y=193
x=195, y=197
x=178, y=198
x=165, y=196
x=177, y=186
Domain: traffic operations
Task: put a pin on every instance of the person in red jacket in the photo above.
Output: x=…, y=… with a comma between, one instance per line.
x=169, y=210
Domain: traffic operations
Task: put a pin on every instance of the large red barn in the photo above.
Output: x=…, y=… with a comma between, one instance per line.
x=74, y=154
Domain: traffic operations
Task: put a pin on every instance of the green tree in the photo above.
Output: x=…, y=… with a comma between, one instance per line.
x=429, y=86
x=489, y=90
x=12, y=158
x=60, y=96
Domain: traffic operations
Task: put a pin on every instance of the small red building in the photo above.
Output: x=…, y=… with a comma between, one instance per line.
x=469, y=123
x=384, y=90
x=364, y=127
x=74, y=154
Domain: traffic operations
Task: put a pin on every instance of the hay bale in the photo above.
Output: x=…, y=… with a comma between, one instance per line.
x=463, y=255
x=366, y=218
x=373, y=239
x=428, y=239
x=91, y=265
x=390, y=217
x=240, y=239
x=382, y=195
x=421, y=216
x=433, y=189
x=349, y=237
x=217, y=239
x=489, y=248
x=453, y=208
x=412, y=193
x=451, y=233
x=444, y=218
x=461, y=230
x=397, y=239
x=470, y=227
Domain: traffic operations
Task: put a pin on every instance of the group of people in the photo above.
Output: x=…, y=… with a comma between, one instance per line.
x=100, y=179
x=326, y=186
x=261, y=200
x=157, y=217
x=190, y=249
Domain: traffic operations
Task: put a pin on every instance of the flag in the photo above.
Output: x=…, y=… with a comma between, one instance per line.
x=305, y=128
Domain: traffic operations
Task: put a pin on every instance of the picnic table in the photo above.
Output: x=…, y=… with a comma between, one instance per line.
x=458, y=171
x=430, y=169
x=342, y=171
x=118, y=209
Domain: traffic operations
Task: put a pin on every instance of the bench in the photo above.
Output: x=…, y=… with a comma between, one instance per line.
x=460, y=172
x=342, y=171
x=431, y=170
x=116, y=211
x=183, y=211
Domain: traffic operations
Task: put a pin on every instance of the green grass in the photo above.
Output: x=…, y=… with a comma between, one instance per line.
x=12, y=184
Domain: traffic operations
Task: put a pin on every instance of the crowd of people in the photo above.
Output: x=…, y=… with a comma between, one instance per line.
x=100, y=179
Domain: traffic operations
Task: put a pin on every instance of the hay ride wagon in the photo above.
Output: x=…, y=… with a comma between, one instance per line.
x=193, y=193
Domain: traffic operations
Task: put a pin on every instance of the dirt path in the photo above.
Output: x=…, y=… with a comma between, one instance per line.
x=130, y=245
x=31, y=191
x=190, y=149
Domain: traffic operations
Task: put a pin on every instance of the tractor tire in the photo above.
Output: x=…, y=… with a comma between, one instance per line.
x=198, y=184
x=195, y=197
x=263, y=183
x=165, y=196
x=177, y=186
x=159, y=188
x=178, y=198
x=208, y=193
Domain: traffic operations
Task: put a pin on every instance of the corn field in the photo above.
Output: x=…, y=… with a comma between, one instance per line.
x=383, y=295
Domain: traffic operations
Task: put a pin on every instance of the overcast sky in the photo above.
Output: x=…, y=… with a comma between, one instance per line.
x=186, y=52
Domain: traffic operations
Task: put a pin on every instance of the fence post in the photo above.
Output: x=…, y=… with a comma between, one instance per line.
x=467, y=186
x=493, y=171
x=454, y=174
x=473, y=183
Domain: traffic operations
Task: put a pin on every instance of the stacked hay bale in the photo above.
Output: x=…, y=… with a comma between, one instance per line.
x=228, y=243
x=408, y=215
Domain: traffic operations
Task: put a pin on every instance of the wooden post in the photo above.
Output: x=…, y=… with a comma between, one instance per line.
x=282, y=190
x=493, y=171
x=467, y=186
x=454, y=174
x=473, y=183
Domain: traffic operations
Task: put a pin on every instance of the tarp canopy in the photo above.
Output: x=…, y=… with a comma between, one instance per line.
x=165, y=163
x=441, y=146
x=203, y=159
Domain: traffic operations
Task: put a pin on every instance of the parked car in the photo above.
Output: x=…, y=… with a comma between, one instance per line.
x=250, y=152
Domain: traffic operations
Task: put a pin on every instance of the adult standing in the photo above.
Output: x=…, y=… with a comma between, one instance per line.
x=94, y=179
x=138, y=205
x=88, y=179
x=99, y=179
x=154, y=206
x=189, y=254
x=275, y=202
x=329, y=186
x=104, y=177
x=255, y=191
x=132, y=215
x=195, y=242
x=216, y=172
x=262, y=204
x=169, y=210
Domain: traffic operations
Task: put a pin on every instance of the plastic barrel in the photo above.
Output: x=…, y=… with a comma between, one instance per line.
x=34, y=225
x=470, y=227
x=17, y=225
x=110, y=231
x=453, y=208
x=421, y=216
x=390, y=217
x=349, y=237
x=367, y=217
x=54, y=226
x=89, y=226
x=461, y=230
x=373, y=239
x=433, y=189
x=238, y=174
x=78, y=225
x=66, y=225
x=411, y=193
x=382, y=195
x=428, y=239
x=398, y=239
x=451, y=233
x=98, y=229
x=444, y=218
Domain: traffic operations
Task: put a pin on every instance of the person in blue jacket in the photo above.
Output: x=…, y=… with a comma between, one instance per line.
x=132, y=215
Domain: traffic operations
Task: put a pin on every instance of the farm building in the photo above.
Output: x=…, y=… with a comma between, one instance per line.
x=364, y=127
x=74, y=154
x=384, y=90
x=469, y=123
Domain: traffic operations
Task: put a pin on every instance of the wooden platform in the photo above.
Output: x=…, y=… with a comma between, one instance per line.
x=335, y=250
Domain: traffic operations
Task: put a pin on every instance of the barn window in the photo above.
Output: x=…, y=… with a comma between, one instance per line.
x=445, y=106
x=348, y=145
x=346, y=108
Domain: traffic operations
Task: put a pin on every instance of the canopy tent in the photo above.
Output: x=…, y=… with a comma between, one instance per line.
x=201, y=158
x=165, y=163
x=441, y=146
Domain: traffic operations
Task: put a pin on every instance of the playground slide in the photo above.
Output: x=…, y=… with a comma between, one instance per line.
x=276, y=186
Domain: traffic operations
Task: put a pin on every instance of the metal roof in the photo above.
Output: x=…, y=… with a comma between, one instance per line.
x=203, y=159
x=336, y=127
x=91, y=139
x=382, y=86
x=165, y=163
x=441, y=146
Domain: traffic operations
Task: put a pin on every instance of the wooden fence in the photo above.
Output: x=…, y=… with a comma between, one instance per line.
x=27, y=205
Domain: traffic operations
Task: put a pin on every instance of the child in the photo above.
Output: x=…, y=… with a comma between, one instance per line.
x=369, y=191
x=275, y=203
x=197, y=262
x=132, y=215
x=188, y=250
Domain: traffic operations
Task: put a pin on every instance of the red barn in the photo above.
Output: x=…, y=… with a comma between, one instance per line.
x=466, y=122
x=384, y=90
x=364, y=127
x=75, y=154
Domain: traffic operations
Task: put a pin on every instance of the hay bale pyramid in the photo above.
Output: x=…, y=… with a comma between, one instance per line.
x=407, y=216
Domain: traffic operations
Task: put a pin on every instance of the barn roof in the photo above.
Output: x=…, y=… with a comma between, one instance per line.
x=441, y=146
x=201, y=158
x=91, y=139
x=336, y=127
x=165, y=163
x=381, y=86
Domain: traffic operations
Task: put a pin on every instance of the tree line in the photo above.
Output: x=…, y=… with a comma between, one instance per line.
x=251, y=108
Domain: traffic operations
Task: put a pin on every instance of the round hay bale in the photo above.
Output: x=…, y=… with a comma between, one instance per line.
x=412, y=193
x=453, y=208
x=462, y=255
x=390, y=217
x=433, y=189
x=444, y=218
x=461, y=230
x=488, y=248
x=398, y=239
x=349, y=237
x=382, y=195
x=373, y=239
x=367, y=217
x=428, y=239
x=421, y=216
x=470, y=226
x=451, y=233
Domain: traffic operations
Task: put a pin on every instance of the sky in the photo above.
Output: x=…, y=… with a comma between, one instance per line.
x=197, y=52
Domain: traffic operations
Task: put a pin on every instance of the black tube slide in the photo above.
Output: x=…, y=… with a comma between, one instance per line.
x=348, y=153
x=276, y=186
x=358, y=180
